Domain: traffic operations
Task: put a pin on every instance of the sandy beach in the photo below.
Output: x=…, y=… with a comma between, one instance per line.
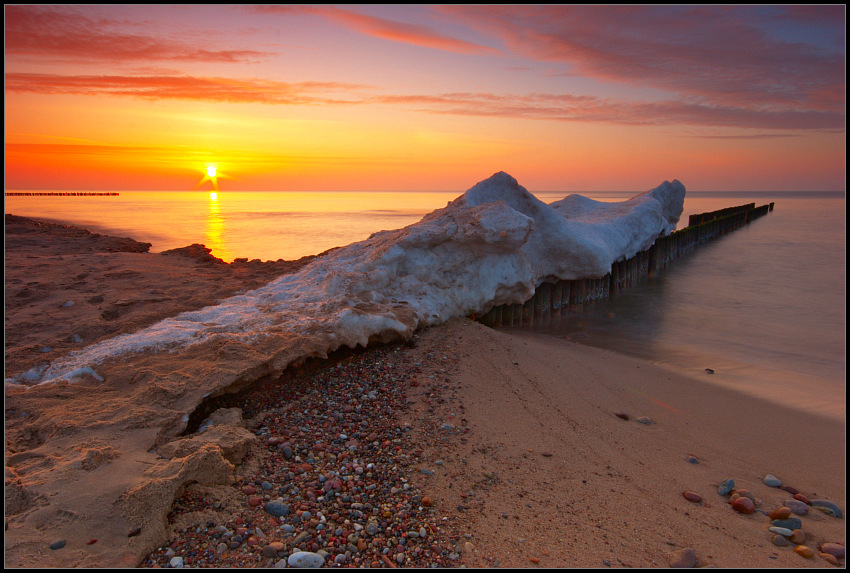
x=474, y=446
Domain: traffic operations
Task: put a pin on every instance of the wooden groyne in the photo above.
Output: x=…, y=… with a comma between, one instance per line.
x=554, y=299
x=61, y=194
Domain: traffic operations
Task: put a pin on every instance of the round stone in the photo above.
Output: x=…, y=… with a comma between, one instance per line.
x=780, y=513
x=306, y=559
x=772, y=480
x=834, y=549
x=780, y=531
x=780, y=541
x=692, y=460
x=803, y=498
x=804, y=551
x=726, y=487
x=744, y=505
x=276, y=508
x=176, y=562
x=798, y=537
x=58, y=544
x=796, y=506
x=692, y=496
x=829, y=558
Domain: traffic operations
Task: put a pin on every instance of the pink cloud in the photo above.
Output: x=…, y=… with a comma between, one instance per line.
x=387, y=29
x=719, y=55
x=48, y=32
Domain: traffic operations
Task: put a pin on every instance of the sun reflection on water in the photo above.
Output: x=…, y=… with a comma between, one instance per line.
x=215, y=230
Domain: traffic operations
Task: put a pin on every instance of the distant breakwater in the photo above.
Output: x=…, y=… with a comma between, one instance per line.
x=61, y=194
x=553, y=300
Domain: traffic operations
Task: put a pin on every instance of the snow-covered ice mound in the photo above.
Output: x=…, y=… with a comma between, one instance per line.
x=491, y=246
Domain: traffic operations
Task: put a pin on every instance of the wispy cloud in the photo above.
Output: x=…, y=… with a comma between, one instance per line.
x=617, y=112
x=212, y=89
x=535, y=106
x=59, y=34
x=721, y=56
x=386, y=29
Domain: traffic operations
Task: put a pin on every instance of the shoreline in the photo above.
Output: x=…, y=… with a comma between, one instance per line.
x=608, y=493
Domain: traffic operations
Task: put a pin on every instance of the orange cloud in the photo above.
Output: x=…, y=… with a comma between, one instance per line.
x=182, y=88
x=557, y=107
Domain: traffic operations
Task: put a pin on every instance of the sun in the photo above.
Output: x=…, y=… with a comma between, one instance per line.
x=211, y=171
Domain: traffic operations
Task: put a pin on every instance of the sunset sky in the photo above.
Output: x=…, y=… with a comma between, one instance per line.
x=414, y=97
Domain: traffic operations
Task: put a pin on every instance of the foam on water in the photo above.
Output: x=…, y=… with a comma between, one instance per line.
x=492, y=245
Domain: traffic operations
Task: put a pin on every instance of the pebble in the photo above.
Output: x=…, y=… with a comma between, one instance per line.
x=683, y=558
x=829, y=558
x=780, y=531
x=643, y=420
x=804, y=551
x=622, y=415
x=790, y=489
x=798, y=537
x=796, y=506
x=306, y=559
x=780, y=541
x=692, y=496
x=834, y=549
x=828, y=507
x=726, y=487
x=361, y=507
x=176, y=562
x=772, y=481
x=790, y=523
x=276, y=508
x=803, y=498
x=780, y=513
x=692, y=460
x=743, y=505
x=58, y=544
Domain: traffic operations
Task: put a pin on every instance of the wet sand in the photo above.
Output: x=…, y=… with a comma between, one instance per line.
x=513, y=438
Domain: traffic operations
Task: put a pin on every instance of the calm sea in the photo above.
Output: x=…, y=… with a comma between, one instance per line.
x=764, y=307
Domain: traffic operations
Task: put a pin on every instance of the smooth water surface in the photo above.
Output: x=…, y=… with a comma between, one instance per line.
x=763, y=307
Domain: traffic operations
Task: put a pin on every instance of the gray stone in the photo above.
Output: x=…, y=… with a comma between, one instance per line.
x=831, y=507
x=797, y=506
x=772, y=480
x=790, y=523
x=306, y=559
x=726, y=487
x=276, y=508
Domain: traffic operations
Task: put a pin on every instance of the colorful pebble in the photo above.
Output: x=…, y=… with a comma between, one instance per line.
x=743, y=505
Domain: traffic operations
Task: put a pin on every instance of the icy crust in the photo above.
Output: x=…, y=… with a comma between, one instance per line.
x=493, y=245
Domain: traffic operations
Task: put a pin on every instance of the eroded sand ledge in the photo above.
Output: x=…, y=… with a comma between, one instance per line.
x=79, y=465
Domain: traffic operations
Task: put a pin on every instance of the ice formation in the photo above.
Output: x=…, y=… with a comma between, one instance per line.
x=492, y=245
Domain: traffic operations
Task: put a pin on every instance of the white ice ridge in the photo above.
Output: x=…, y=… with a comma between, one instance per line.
x=492, y=245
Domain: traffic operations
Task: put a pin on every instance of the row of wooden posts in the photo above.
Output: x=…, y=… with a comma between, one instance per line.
x=59, y=193
x=554, y=299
